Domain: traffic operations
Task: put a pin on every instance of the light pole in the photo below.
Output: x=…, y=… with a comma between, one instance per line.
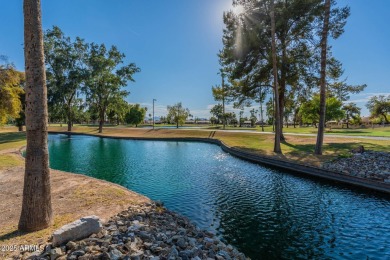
x=153, y=110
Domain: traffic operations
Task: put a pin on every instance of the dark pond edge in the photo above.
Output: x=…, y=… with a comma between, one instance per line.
x=264, y=160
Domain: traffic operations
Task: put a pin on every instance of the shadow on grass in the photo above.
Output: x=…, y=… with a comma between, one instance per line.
x=337, y=148
x=12, y=137
x=12, y=234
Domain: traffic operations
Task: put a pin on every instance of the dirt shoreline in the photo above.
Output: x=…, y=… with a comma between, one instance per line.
x=73, y=196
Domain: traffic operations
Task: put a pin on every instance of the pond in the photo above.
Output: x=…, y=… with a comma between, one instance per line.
x=265, y=213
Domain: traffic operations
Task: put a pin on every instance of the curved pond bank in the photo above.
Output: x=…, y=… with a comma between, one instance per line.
x=263, y=212
x=322, y=173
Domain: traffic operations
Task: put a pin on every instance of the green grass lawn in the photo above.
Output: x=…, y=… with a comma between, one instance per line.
x=295, y=148
x=377, y=131
x=11, y=140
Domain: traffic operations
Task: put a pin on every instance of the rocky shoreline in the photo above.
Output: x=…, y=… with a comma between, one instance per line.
x=146, y=231
x=366, y=164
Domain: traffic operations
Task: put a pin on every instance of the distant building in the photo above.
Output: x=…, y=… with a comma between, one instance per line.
x=366, y=120
x=247, y=123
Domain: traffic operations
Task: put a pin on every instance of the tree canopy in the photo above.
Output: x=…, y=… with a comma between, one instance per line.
x=65, y=73
x=105, y=79
x=177, y=114
x=11, y=89
x=379, y=106
x=310, y=110
x=135, y=115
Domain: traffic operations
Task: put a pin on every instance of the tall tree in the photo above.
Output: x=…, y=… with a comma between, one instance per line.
x=105, y=79
x=220, y=94
x=324, y=47
x=351, y=112
x=217, y=111
x=36, y=207
x=177, y=114
x=65, y=72
x=11, y=91
x=309, y=110
x=278, y=132
x=379, y=106
x=136, y=115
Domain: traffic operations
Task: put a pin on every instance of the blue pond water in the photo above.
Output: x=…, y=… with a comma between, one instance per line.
x=265, y=213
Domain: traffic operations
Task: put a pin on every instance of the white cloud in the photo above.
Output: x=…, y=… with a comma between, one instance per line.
x=364, y=97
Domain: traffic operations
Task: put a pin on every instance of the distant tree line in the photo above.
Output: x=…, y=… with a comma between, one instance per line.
x=85, y=80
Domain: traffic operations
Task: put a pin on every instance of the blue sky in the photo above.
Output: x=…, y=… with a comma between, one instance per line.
x=175, y=43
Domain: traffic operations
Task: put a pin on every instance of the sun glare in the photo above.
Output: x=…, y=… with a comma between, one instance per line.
x=238, y=9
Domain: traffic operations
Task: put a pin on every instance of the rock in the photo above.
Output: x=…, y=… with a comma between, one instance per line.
x=79, y=229
x=78, y=253
x=146, y=232
x=208, y=240
x=115, y=254
x=181, y=243
x=224, y=254
x=359, y=149
x=55, y=253
x=71, y=245
x=173, y=254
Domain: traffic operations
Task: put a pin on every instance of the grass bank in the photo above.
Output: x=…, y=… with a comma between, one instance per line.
x=296, y=148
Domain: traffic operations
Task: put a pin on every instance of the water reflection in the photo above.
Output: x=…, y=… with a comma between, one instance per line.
x=265, y=213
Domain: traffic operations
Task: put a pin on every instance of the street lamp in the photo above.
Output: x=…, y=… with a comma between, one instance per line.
x=153, y=110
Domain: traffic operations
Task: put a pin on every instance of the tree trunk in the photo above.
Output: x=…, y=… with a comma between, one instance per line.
x=37, y=211
x=324, y=39
x=385, y=117
x=223, y=102
x=277, y=148
x=261, y=114
x=101, y=123
x=20, y=128
x=282, y=88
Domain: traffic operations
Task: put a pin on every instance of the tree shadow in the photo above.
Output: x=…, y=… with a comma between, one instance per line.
x=12, y=137
x=12, y=234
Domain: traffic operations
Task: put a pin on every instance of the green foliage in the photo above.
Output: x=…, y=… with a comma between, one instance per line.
x=177, y=114
x=117, y=111
x=217, y=111
x=310, y=110
x=231, y=118
x=11, y=90
x=65, y=74
x=379, y=106
x=105, y=79
x=135, y=115
x=352, y=112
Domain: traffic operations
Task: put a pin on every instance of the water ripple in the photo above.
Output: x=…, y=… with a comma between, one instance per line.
x=265, y=213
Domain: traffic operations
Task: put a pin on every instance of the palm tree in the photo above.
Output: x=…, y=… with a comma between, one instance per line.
x=324, y=39
x=36, y=208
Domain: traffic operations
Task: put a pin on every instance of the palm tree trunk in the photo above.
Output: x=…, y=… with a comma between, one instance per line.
x=277, y=148
x=36, y=207
x=324, y=39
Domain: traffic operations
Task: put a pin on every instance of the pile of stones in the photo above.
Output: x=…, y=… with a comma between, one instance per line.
x=369, y=164
x=147, y=231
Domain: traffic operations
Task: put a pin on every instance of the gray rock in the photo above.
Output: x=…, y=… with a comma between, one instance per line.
x=79, y=229
x=115, y=254
x=173, y=254
x=224, y=254
x=78, y=253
